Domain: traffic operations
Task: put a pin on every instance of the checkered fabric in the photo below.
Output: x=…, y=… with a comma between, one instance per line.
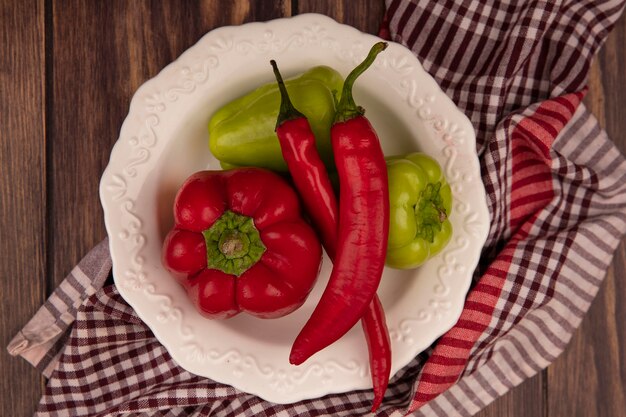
x=556, y=190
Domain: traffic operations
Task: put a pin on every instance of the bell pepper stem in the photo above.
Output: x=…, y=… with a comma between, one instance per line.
x=287, y=110
x=347, y=109
x=233, y=244
x=430, y=212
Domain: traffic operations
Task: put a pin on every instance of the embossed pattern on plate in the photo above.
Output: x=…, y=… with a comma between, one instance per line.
x=164, y=140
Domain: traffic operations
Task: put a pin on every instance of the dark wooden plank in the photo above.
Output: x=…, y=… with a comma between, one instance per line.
x=22, y=196
x=363, y=15
x=590, y=376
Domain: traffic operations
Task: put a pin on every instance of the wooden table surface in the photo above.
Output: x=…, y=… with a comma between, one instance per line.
x=68, y=70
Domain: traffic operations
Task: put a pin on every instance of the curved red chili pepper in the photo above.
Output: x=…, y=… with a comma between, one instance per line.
x=309, y=175
x=311, y=179
x=363, y=225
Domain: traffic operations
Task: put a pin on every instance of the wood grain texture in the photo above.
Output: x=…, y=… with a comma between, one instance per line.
x=68, y=70
x=363, y=15
x=22, y=196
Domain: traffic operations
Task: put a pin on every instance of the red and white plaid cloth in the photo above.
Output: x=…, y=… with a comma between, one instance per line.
x=556, y=190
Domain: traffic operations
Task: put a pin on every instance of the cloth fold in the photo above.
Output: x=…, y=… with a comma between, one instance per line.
x=556, y=189
x=41, y=340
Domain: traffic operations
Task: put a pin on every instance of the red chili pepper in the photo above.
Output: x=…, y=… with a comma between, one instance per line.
x=311, y=179
x=240, y=244
x=363, y=225
x=309, y=175
x=379, y=347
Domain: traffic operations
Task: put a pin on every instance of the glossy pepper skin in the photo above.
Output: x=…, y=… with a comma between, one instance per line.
x=362, y=229
x=239, y=244
x=241, y=133
x=379, y=347
x=420, y=203
x=311, y=179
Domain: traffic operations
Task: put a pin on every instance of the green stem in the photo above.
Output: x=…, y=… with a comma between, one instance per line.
x=287, y=110
x=347, y=108
x=233, y=244
x=430, y=212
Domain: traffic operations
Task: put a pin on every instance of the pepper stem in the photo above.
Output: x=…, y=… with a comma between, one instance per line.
x=347, y=108
x=287, y=110
x=430, y=212
x=233, y=244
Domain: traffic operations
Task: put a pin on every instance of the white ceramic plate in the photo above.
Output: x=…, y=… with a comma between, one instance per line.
x=164, y=140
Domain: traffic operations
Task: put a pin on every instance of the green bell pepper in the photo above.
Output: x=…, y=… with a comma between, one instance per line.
x=241, y=133
x=420, y=203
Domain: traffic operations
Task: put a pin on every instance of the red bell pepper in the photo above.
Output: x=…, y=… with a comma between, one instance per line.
x=239, y=244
